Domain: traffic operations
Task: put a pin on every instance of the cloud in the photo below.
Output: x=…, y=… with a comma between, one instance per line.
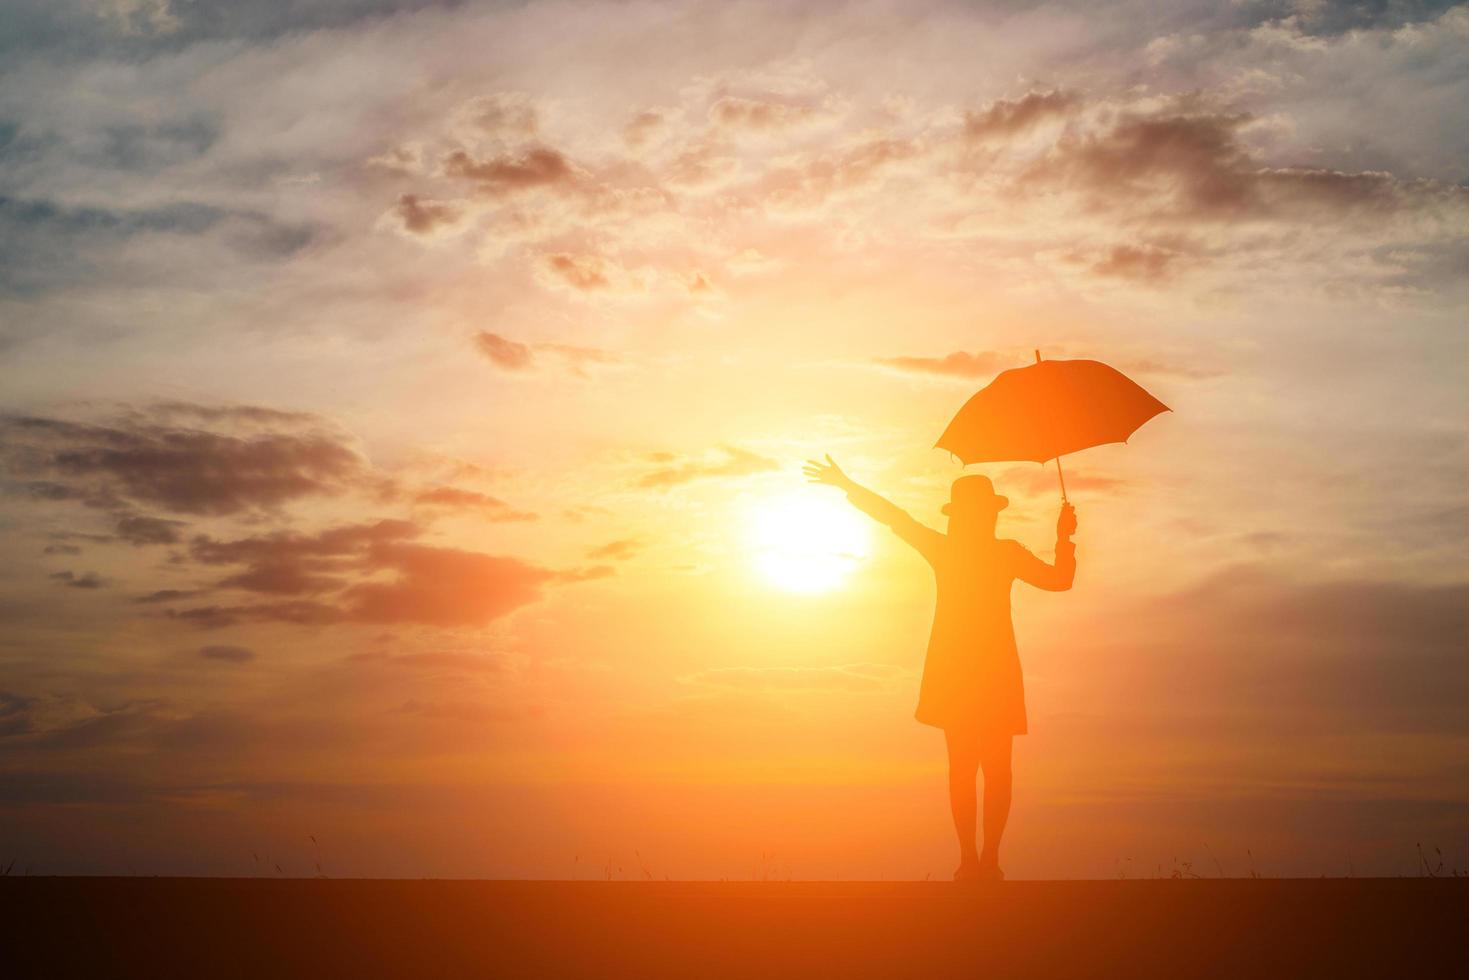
x=52, y=245
x=140, y=530
x=702, y=166
x=227, y=654
x=620, y=549
x=423, y=217
x=809, y=185
x=1140, y=263
x=490, y=508
x=168, y=595
x=502, y=115
x=505, y=174
x=578, y=359
x=1187, y=161
x=514, y=356
x=584, y=272
x=294, y=612
x=366, y=573
x=959, y=364
x=444, y=587
x=1004, y=119
x=287, y=563
x=182, y=470
x=644, y=127
x=1041, y=481
x=87, y=580
x=761, y=115
x=139, y=16
x=509, y=355
x=726, y=461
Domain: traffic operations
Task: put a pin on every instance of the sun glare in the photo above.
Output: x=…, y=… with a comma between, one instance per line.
x=808, y=541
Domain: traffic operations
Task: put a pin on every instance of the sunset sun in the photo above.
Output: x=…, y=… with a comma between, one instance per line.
x=803, y=542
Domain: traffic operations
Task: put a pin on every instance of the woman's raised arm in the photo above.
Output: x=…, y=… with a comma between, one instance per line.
x=875, y=506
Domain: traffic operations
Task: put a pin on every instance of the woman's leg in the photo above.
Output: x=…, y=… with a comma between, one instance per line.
x=994, y=758
x=964, y=761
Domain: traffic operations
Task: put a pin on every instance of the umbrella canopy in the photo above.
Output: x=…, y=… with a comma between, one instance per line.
x=1047, y=409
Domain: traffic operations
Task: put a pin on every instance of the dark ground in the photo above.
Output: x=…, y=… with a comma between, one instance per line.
x=179, y=927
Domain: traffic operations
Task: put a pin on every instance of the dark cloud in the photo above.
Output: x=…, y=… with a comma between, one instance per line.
x=228, y=654
x=1197, y=160
x=504, y=353
x=512, y=355
x=540, y=167
x=365, y=573
x=182, y=470
x=443, y=586
x=1140, y=263
x=287, y=563
x=149, y=147
x=727, y=461
x=488, y=507
x=581, y=271
x=426, y=217
x=959, y=364
x=140, y=530
x=1329, y=18
x=87, y=580
x=296, y=612
x=169, y=595
x=61, y=549
x=1189, y=162
x=49, y=245
x=1003, y=118
x=16, y=714
x=139, y=30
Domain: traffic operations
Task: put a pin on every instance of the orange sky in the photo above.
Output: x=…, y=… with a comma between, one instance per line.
x=398, y=407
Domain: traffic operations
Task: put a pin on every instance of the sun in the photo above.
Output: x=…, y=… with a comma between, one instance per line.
x=807, y=541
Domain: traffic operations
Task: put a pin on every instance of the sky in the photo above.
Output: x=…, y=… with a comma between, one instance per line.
x=402, y=408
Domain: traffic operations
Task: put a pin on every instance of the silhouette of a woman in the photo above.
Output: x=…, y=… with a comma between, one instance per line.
x=972, y=686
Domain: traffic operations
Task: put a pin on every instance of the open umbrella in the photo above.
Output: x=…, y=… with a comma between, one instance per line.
x=1047, y=409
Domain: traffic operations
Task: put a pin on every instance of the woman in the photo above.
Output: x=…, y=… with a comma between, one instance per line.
x=971, y=687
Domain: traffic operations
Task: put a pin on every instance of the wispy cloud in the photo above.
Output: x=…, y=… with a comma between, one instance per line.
x=727, y=461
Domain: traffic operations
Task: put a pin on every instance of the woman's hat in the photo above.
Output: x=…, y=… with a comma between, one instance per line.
x=974, y=493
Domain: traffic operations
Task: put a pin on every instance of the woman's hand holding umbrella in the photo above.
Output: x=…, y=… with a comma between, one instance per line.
x=1066, y=522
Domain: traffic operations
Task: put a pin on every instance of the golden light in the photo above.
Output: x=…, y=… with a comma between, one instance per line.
x=807, y=541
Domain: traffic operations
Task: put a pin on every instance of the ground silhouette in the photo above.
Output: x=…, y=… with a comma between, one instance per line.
x=223, y=928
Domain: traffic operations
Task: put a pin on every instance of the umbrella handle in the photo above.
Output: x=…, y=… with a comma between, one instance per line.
x=1059, y=475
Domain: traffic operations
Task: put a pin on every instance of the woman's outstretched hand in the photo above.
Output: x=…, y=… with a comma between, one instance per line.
x=828, y=472
x=1066, y=521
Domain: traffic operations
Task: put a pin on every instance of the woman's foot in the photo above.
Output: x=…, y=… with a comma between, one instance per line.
x=968, y=869
x=988, y=871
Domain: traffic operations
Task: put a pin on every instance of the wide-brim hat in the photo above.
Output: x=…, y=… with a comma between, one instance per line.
x=974, y=493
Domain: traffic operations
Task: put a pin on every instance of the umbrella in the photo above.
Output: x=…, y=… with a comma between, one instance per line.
x=1047, y=409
